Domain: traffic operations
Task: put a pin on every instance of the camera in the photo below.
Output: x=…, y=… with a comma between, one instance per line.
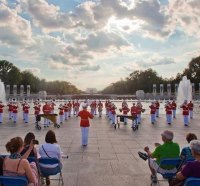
x=35, y=142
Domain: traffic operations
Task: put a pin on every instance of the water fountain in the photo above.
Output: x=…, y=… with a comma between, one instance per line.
x=184, y=91
x=2, y=92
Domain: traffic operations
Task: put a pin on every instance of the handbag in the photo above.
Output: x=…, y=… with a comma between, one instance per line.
x=45, y=152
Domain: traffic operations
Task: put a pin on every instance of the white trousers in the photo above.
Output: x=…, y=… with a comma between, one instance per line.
x=84, y=131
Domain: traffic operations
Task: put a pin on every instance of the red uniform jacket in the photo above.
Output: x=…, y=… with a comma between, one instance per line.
x=153, y=109
x=66, y=109
x=168, y=109
x=100, y=106
x=10, y=107
x=157, y=105
x=15, y=107
x=37, y=109
x=134, y=111
x=26, y=108
x=1, y=108
x=61, y=111
x=46, y=109
x=173, y=105
x=185, y=109
x=85, y=115
x=191, y=106
x=125, y=109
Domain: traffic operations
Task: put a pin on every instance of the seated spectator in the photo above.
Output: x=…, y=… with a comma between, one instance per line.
x=168, y=149
x=15, y=165
x=186, y=151
x=191, y=169
x=27, y=141
x=50, y=149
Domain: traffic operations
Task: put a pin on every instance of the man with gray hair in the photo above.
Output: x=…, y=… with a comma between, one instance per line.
x=191, y=169
x=168, y=149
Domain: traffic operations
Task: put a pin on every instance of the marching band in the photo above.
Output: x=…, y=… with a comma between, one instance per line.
x=71, y=107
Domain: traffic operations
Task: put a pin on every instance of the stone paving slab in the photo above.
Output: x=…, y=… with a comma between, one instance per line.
x=111, y=158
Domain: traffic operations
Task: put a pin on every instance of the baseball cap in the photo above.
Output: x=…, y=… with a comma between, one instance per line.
x=168, y=134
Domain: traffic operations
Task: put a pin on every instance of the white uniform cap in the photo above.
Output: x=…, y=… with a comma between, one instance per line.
x=84, y=105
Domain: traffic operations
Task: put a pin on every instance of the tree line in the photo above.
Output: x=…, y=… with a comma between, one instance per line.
x=144, y=80
x=137, y=80
x=11, y=75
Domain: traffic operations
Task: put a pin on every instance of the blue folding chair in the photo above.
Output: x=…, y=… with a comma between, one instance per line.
x=32, y=159
x=46, y=171
x=174, y=162
x=192, y=182
x=13, y=180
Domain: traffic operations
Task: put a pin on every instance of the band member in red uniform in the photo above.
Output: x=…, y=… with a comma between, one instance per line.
x=113, y=113
x=1, y=111
x=168, y=109
x=157, y=104
x=26, y=112
x=15, y=111
x=153, y=112
x=23, y=104
x=46, y=110
x=73, y=107
x=185, y=112
x=191, y=107
x=173, y=104
x=36, y=107
x=134, y=112
x=84, y=123
x=139, y=108
x=100, y=108
x=109, y=105
x=10, y=110
x=76, y=108
x=69, y=104
x=52, y=105
x=125, y=111
x=124, y=102
x=61, y=113
x=106, y=107
x=66, y=111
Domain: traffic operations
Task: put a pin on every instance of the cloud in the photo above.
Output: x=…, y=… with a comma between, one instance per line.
x=15, y=30
x=35, y=71
x=48, y=16
x=90, y=68
x=185, y=16
x=58, y=66
x=155, y=62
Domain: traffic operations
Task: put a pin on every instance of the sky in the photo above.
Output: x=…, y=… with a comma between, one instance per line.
x=93, y=43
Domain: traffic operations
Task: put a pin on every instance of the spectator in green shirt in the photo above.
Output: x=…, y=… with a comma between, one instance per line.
x=168, y=149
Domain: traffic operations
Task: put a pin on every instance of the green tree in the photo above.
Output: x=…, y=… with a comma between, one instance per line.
x=5, y=68
x=13, y=77
x=29, y=79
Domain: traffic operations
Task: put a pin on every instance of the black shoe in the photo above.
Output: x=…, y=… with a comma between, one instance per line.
x=142, y=155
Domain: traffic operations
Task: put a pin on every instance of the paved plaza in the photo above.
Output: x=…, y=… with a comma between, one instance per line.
x=111, y=157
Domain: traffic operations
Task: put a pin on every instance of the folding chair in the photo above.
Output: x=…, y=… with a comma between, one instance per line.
x=174, y=162
x=32, y=159
x=13, y=180
x=46, y=171
x=192, y=182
